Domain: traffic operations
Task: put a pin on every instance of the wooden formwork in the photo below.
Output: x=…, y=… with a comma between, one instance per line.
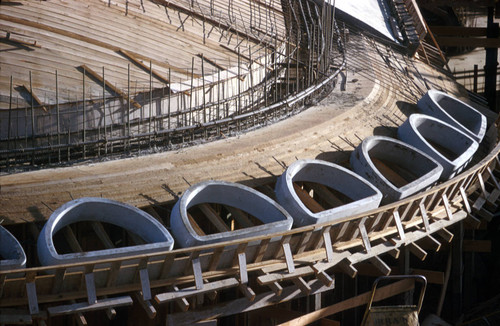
x=265, y=270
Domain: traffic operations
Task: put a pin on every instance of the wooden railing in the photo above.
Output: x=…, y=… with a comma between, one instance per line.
x=266, y=262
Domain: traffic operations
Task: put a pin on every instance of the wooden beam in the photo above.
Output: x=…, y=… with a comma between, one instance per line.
x=310, y=203
x=147, y=69
x=243, y=304
x=382, y=293
x=212, y=215
x=192, y=291
x=469, y=41
x=84, y=306
x=240, y=217
x=459, y=31
x=35, y=98
x=109, y=85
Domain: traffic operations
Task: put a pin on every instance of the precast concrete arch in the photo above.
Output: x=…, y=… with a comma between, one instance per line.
x=12, y=254
x=132, y=219
x=363, y=195
x=274, y=217
x=455, y=112
x=449, y=146
x=397, y=169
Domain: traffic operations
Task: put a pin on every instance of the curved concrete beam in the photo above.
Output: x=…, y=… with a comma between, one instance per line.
x=274, y=217
x=364, y=195
x=397, y=169
x=455, y=112
x=451, y=147
x=11, y=252
x=132, y=219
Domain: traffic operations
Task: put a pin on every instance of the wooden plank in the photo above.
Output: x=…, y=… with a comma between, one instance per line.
x=430, y=242
x=198, y=277
x=328, y=244
x=85, y=307
x=35, y=98
x=445, y=234
x=417, y=251
x=144, y=67
x=476, y=42
x=399, y=226
x=380, y=265
x=31, y=292
x=182, y=303
x=109, y=85
x=212, y=215
x=242, y=305
x=90, y=287
x=259, y=255
x=214, y=260
x=459, y=30
x=242, y=263
x=389, y=173
x=240, y=217
x=364, y=235
x=381, y=293
x=145, y=285
x=325, y=194
x=193, y=291
x=113, y=273
x=247, y=292
x=302, y=285
x=102, y=235
x=288, y=257
x=195, y=225
x=425, y=217
x=310, y=203
x=146, y=305
x=447, y=207
x=284, y=276
x=71, y=238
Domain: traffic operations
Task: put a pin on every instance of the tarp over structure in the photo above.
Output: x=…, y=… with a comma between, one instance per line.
x=374, y=14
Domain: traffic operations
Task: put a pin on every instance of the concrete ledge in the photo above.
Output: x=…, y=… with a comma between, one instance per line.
x=397, y=169
x=449, y=146
x=103, y=210
x=274, y=217
x=364, y=195
x=12, y=254
x=455, y=112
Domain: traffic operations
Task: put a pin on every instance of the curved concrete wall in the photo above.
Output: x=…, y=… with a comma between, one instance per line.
x=424, y=169
x=102, y=210
x=11, y=252
x=363, y=194
x=452, y=148
x=455, y=112
x=274, y=217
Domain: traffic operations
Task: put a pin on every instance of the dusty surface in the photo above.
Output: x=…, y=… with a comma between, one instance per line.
x=381, y=90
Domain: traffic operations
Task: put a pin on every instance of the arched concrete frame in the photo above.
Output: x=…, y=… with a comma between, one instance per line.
x=274, y=217
x=451, y=147
x=363, y=194
x=455, y=112
x=132, y=219
x=11, y=251
x=424, y=169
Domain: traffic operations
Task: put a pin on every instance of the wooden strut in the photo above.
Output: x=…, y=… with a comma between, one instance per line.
x=109, y=85
x=144, y=67
x=381, y=294
x=35, y=98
